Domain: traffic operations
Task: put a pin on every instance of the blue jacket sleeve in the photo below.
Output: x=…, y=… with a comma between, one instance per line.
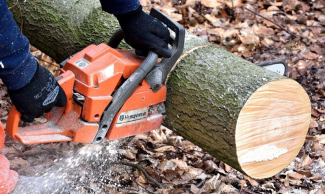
x=119, y=6
x=17, y=65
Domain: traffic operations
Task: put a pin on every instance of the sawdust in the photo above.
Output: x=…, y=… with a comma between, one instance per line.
x=88, y=165
x=262, y=153
x=68, y=167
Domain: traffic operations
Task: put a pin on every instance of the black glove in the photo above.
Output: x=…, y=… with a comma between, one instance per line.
x=144, y=32
x=38, y=96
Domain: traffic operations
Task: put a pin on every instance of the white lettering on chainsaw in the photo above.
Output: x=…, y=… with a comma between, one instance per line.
x=51, y=96
x=82, y=63
x=262, y=153
x=131, y=117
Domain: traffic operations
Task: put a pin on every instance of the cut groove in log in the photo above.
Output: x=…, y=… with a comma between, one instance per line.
x=271, y=128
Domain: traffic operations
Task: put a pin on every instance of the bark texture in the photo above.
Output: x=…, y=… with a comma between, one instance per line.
x=206, y=92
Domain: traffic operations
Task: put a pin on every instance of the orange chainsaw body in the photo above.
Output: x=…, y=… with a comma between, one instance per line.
x=89, y=79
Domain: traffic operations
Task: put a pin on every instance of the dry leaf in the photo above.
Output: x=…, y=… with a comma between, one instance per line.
x=154, y=134
x=178, y=191
x=202, y=176
x=187, y=146
x=212, y=183
x=230, y=37
x=196, y=190
x=214, y=3
x=227, y=168
x=191, y=173
x=267, y=42
x=313, y=124
x=127, y=154
x=234, y=3
x=320, y=191
x=306, y=161
x=210, y=166
x=302, y=67
x=320, y=138
x=190, y=3
x=165, y=149
x=171, y=174
x=216, y=22
x=316, y=48
x=309, y=55
x=253, y=182
x=170, y=165
x=242, y=184
x=247, y=36
x=224, y=188
x=295, y=175
x=180, y=164
x=18, y=163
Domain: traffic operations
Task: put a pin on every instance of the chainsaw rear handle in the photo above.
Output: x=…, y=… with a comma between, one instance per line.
x=158, y=75
x=116, y=38
x=66, y=81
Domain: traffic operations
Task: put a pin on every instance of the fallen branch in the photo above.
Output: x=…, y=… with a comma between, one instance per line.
x=291, y=33
x=138, y=184
x=139, y=167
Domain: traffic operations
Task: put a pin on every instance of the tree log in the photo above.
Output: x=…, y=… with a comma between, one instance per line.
x=252, y=119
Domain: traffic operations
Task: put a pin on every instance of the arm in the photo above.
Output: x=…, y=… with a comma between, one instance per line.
x=119, y=6
x=17, y=65
x=32, y=88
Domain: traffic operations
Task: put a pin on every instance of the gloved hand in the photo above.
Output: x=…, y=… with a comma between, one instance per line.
x=144, y=32
x=38, y=96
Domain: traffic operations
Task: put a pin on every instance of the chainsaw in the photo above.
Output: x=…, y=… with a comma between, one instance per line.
x=111, y=93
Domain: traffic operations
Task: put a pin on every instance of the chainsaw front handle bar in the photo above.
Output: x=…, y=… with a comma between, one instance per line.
x=158, y=74
x=122, y=94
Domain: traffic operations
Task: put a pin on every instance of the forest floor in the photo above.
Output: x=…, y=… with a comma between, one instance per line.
x=162, y=162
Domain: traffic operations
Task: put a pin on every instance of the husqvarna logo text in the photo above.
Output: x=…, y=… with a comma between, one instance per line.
x=133, y=116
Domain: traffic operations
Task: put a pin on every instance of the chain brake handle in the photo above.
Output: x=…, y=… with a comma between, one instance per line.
x=159, y=73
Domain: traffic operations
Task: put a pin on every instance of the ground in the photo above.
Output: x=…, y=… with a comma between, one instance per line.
x=163, y=162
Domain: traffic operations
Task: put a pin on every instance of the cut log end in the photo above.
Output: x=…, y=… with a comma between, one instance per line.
x=272, y=127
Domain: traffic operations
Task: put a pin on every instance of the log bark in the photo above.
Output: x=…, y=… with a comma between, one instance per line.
x=252, y=119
